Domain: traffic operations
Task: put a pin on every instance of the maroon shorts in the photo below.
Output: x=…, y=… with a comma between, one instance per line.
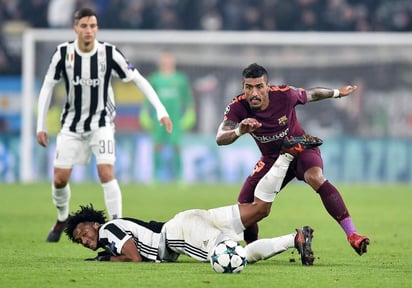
x=306, y=159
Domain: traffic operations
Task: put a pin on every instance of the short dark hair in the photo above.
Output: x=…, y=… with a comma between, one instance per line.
x=85, y=214
x=254, y=71
x=84, y=12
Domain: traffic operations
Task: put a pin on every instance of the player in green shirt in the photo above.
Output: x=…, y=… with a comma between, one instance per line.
x=175, y=92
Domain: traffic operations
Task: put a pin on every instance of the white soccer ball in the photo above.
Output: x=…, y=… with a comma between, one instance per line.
x=228, y=257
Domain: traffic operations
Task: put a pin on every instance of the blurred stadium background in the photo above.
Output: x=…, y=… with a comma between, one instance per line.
x=305, y=43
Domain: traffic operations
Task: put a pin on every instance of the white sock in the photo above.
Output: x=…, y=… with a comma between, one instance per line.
x=61, y=198
x=113, y=199
x=270, y=184
x=265, y=248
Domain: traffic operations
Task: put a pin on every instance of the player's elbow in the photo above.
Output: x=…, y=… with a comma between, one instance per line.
x=220, y=140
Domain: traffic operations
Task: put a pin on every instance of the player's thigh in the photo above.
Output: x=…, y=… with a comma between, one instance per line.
x=103, y=145
x=307, y=159
x=198, y=225
x=247, y=192
x=192, y=227
x=228, y=220
x=71, y=149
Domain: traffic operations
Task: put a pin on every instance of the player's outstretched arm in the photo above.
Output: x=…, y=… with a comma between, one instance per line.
x=319, y=93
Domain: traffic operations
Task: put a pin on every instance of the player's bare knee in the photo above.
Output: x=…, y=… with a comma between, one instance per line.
x=106, y=178
x=59, y=182
x=106, y=173
x=61, y=177
x=314, y=177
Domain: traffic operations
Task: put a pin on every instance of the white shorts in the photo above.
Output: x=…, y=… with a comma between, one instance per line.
x=76, y=148
x=196, y=232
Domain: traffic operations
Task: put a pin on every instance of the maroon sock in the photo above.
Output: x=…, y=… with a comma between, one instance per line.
x=332, y=201
x=251, y=233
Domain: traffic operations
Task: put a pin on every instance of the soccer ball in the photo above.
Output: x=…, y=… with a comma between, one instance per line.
x=228, y=257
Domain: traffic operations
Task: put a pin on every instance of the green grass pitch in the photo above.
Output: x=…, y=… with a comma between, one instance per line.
x=383, y=212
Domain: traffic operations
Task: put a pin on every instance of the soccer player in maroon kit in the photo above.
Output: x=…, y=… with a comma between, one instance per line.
x=267, y=113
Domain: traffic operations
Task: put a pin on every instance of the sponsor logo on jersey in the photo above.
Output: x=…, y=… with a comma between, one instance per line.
x=270, y=138
x=86, y=82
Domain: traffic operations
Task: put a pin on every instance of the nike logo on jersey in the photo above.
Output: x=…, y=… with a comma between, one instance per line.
x=86, y=82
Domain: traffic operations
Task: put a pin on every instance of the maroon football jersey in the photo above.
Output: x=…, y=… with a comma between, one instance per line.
x=278, y=119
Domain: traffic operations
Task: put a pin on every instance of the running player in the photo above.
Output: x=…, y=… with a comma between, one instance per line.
x=267, y=113
x=86, y=66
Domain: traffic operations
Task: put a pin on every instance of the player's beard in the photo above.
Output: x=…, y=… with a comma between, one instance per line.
x=254, y=109
x=255, y=101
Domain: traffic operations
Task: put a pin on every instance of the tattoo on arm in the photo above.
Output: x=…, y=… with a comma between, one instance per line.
x=225, y=135
x=318, y=93
x=229, y=125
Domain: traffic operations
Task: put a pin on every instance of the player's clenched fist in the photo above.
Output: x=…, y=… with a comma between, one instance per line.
x=248, y=125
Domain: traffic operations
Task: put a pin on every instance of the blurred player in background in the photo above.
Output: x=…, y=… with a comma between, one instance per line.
x=87, y=66
x=267, y=113
x=174, y=90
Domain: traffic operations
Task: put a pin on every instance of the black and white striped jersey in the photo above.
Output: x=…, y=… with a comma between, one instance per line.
x=90, y=102
x=192, y=232
x=146, y=235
